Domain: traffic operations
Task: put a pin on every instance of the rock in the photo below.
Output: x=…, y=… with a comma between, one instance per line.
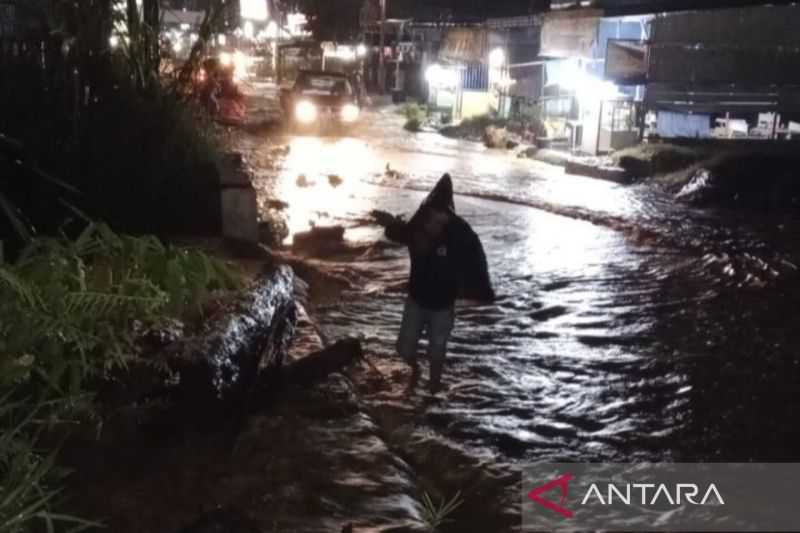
x=335, y=180
x=273, y=231
x=320, y=241
x=593, y=169
x=494, y=137
x=278, y=205
x=636, y=167
x=302, y=181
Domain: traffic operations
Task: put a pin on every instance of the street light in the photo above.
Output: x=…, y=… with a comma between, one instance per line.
x=497, y=58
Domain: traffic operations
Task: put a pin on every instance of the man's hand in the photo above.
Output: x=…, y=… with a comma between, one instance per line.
x=383, y=218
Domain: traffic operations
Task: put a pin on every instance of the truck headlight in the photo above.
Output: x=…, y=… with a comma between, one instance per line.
x=350, y=113
x=305, y=112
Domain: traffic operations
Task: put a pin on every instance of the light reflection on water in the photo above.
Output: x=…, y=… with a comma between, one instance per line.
x=319, y=160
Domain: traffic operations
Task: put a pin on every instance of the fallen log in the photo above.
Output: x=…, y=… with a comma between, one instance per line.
x=210, y=377
x=319, y=365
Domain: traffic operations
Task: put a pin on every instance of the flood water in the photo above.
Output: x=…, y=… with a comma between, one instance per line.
x=627, y=327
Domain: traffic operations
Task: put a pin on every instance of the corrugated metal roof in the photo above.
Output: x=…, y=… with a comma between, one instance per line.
x=617, y=7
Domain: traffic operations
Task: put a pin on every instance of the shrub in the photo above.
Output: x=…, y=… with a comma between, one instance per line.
x=415, y=111
x=74, y=307
x=28, y=480
x=413, y=124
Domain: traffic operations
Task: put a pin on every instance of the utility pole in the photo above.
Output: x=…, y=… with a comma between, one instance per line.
x=381, y=58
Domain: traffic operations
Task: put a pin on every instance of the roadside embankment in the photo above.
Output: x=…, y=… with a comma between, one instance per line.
x=751, y=174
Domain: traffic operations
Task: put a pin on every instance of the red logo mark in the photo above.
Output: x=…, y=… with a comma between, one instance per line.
x=561, y=483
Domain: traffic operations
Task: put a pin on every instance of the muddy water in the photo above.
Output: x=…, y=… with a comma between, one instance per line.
x=626, y=328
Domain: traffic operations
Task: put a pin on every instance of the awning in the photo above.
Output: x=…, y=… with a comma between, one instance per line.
x=468, y=45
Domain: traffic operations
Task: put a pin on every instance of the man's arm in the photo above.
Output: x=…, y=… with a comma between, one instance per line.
x=396, y=228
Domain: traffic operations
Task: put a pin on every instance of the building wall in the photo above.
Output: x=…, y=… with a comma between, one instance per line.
x=474, y=104
x=759, y=45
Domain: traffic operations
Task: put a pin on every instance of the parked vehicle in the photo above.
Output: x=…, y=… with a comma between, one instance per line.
x=320, y=98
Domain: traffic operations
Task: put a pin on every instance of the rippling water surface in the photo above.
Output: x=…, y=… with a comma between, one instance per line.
x=627, y=326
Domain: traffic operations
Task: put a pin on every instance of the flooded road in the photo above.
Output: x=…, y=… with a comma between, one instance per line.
x=627, y=327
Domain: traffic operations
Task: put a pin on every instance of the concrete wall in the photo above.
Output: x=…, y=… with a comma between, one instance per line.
x=474, y=104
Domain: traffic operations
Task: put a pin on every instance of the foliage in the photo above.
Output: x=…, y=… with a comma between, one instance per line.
x=436, y=515
x=413, y=125
x=78, y=305
x=414, y=111
x=28, y=478
x=26, y=193
x=415, y=116
x=107, y=123
x=168, y=182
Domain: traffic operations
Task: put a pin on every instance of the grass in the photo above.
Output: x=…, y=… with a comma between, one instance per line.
x=28, y=478
x=435, y=515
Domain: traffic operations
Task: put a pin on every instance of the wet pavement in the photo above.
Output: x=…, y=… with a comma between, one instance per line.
x=627, y=327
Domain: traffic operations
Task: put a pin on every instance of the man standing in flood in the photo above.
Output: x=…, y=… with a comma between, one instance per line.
x=447, y=262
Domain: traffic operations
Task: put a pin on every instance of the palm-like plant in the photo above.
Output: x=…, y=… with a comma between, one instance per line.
x=27, y=478
x=436, y=515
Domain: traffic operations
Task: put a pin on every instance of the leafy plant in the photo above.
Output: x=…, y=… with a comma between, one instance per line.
x=435, y=515
x=75, y=307
x=413, y=125
x=28, y=478
x=414, y=111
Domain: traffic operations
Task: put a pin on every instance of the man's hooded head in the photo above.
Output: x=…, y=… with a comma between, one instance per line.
x=441, y=197
x=435, y=211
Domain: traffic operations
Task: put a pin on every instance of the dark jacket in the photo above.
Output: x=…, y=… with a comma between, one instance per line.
x=453, y=267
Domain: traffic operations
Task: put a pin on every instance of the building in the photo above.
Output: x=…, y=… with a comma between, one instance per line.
x=412, y=34
x=724, y=73
x=583, y=102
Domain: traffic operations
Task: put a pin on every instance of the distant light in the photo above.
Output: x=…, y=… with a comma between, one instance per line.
x=113, y=41
x=225, y=59
x=350, y=113
x=306, y=112
x=240, y=63
x=248, y=29
x=589, y=89
x=295, y=23
x=497, y=58
x=272, y=30
x=361, y=50
x=440, y=77
x=185, y=26
x=177, y=47
x=222, y=39
x=253, y=10
x=343, y=52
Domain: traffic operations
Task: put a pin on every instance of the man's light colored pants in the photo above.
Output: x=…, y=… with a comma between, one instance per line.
x=436, y=324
